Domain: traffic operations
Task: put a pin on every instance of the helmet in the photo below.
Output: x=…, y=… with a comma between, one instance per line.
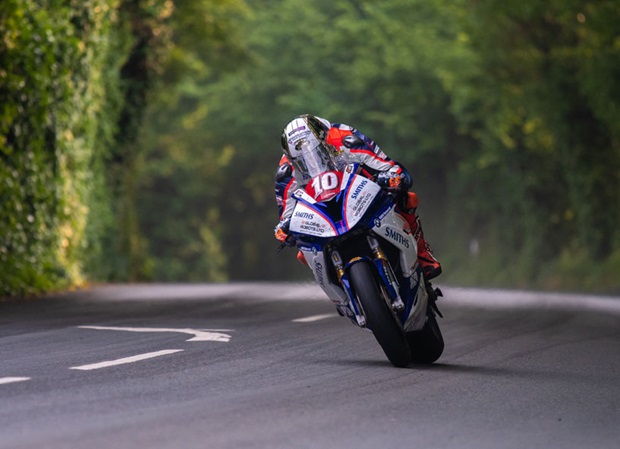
x=303, y=142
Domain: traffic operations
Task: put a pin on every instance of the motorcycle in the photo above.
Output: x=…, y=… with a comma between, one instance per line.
x=364, y=257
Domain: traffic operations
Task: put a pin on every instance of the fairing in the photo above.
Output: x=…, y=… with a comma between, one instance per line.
x=341, y=213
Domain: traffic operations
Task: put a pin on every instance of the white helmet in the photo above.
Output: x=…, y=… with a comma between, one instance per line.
x=303, y=143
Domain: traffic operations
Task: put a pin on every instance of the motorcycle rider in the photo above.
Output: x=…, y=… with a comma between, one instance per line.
x=344, y=144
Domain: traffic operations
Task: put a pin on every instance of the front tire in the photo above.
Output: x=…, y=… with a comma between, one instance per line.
x=379, y=316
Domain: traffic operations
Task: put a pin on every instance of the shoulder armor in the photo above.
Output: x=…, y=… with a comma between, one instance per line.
x=352, y=141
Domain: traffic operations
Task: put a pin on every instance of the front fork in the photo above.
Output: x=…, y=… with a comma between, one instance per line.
x=387, y=274
x=346, y=285
x=384, y=270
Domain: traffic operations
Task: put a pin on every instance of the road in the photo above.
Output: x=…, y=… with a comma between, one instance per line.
x=272, y=366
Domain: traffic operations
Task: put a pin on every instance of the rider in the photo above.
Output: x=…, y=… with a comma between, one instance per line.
x=346, y=144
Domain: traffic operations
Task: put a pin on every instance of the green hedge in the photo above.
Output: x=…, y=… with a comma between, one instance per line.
x=66, y=103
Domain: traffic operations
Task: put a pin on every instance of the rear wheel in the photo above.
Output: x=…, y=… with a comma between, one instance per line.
x=427, y=344
x=379, y=316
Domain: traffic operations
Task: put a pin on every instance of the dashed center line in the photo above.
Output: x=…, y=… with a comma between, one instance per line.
x=10, y=380
x=132, y=359
x=310, y=319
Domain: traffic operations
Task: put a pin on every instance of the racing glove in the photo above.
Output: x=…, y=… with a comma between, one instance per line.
x=391, y=180
x=281, y=230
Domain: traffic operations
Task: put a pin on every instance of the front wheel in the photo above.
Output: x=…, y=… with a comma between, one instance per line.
x=379, y=317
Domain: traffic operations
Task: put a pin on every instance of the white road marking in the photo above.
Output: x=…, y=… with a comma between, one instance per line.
x=132, y=359
x=198, y=334
x=10, y=380
x=310, y=319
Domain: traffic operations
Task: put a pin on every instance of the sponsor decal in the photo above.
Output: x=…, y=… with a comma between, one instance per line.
x=297, y=138
x=312, y=227
x=397, y=237
x=295, y=130
x=383, y=215
x=306, y=215
x=361, y=205
x=358, y=189
x=318, y=271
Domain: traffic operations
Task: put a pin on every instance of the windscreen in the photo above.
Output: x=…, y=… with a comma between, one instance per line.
x=316, y=158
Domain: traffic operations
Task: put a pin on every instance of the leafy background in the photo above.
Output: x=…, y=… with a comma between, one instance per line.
x=139, y=138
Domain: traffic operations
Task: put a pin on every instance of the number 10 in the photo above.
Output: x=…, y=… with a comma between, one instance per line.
x=327, y=181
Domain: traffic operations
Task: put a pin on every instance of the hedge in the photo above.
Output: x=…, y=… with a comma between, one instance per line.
x=73, y=81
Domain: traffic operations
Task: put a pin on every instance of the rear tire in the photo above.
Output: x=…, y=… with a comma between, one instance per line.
x=427, y=344
x=379, y=316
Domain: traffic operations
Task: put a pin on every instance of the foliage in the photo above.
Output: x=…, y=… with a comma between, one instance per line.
x=506, y=112
x=62, y=94
x=139, y=138
x=48, y=126
x=546, y=170
x=181, y=185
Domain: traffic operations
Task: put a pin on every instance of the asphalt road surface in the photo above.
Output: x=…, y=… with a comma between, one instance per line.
x=272, y=366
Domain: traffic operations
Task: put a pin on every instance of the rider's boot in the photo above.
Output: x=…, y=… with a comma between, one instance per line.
x=430, y=266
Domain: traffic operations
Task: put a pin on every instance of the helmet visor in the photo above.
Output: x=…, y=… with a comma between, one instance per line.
x=315, y=158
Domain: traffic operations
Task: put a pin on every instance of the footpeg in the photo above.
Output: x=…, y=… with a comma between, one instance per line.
x=433, y=295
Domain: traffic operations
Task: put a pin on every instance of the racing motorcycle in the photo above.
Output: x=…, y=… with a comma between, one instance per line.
x=364, y=257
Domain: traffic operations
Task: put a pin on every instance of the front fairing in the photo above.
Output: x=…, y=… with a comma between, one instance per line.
x=355, y=203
